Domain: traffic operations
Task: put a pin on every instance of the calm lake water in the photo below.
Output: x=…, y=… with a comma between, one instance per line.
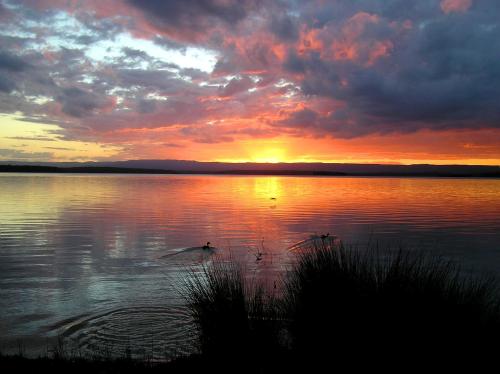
x=98, y=259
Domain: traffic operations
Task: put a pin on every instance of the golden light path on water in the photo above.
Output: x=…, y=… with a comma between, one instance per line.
x=99, y=258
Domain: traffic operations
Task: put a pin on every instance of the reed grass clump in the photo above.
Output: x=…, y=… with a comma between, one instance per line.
x=347, y=306
x=392, y=305
x=236, y=318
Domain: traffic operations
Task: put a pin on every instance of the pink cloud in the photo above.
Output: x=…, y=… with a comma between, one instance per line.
x=351, y=40
x=336, y=70
x=450, y=6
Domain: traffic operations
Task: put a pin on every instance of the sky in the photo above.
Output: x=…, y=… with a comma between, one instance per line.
x=371, y=81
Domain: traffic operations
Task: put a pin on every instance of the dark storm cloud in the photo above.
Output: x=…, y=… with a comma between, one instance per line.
x=318, y=14
x=12, y=63
x=442, y=72
x=302, y=118
x=347, y=68
x=9, y=65
x=153, y=79
x=146, y=106
x=79, y=103
x=194, y=16
x=6, y=84
x=284, y=27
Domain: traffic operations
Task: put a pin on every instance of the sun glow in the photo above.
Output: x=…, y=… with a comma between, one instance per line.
x=270, y=155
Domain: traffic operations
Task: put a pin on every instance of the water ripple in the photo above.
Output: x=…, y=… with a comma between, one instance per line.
x=155, y=332
x=74, y=243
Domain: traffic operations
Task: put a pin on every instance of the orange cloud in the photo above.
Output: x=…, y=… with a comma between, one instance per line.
x=380, y=49
x=450, y=6
x=309, y=41
x=353, y=45
x=298, y=94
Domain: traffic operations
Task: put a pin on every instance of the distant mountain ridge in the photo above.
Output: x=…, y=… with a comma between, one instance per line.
x=184, y=166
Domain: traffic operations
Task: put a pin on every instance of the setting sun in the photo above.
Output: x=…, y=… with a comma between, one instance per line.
x=271, y=155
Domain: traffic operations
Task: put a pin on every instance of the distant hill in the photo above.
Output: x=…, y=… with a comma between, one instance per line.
x=195, y=167
x=78, y=169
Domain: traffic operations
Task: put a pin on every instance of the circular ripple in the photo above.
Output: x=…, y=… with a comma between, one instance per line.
x=148, y=332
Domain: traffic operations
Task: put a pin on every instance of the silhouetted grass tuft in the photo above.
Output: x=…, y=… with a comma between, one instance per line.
x=235, y=318
x=337, y=307
x=348, y=306
x=400, y=304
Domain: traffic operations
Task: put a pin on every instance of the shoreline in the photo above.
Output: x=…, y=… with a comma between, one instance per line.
x=30, y=169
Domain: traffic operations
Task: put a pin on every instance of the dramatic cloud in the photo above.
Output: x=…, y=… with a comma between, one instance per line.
x=194, y=15
x=154, y=77
x=79, y=103
x=449, y=6
x=24, y=156
x=404, y=75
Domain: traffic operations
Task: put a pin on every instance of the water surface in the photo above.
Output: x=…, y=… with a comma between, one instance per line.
x=98, y=259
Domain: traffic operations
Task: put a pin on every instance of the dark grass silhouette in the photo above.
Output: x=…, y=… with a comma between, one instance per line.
x=60, y=358
x=65, y=365
x=238, y=320
x=346, y=307
x=338, y=309
x=389, y=306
